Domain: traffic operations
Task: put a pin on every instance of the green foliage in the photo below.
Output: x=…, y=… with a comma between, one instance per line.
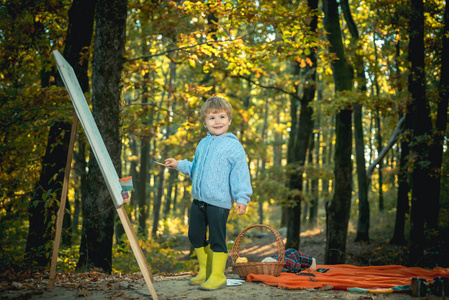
x=172, y=226
x=160, y=257
x=13, y=234
x=271, y=186
x=23, y=136
x=237, y=223
x=68, y=258
x=28, y=34
x=23, y=132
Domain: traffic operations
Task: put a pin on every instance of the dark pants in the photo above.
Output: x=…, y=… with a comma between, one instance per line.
x=203, y=215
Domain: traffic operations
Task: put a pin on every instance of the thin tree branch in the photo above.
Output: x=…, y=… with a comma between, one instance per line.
x=344, y=4
x=183, y=48
x=293, y=94
x=171, y=113
x=398, y=129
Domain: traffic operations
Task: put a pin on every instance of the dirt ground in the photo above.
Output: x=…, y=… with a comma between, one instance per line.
x=173, y=287
x=169, y=286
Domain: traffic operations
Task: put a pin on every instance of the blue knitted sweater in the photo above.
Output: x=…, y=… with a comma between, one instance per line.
x=219, y=171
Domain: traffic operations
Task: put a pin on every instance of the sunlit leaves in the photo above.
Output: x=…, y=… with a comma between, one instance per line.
x=242, y=36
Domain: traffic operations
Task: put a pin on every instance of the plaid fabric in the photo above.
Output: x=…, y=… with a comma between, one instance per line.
x=295, y=260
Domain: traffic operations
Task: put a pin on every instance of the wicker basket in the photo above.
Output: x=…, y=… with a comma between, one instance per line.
x=267, y=268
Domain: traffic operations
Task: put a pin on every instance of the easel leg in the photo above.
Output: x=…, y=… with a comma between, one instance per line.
x=60, y=216
x=137, y=250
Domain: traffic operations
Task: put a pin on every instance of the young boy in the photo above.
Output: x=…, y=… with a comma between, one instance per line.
x=220, y=177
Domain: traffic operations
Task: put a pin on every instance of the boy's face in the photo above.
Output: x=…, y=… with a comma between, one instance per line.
x=217, y=122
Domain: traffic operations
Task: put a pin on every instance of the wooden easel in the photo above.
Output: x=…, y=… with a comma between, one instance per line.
x=86, y=116
x=60, y=216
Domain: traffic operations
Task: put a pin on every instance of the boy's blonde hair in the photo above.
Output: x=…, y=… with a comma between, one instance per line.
x=215, y=104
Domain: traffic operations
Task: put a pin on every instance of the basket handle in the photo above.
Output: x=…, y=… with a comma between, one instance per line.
x=280, y=243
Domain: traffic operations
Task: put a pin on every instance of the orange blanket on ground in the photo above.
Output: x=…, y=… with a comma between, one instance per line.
x=341, y=277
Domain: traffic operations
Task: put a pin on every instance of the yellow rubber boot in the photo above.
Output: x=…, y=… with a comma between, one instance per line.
x=204, y=255
x=217, y=277
x=210, y=255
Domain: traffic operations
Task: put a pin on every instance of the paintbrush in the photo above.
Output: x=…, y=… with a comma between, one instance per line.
x=156, y=162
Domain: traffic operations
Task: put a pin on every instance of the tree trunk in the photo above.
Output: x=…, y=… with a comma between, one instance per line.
x=161, y=176
x=80, y=166
x=313, y=207
x=296, y=178
x=79, y=37
x=144, y=155
x=143, y=205
x=363, y=221
x=264, y=158
x=286, y=210
x=313, y=221
x=43, y=211
x=379, y=149
x=378, y=130
x=172, y=173
x=339, y=208
x=436, y=157
x=277, y=145
x=158, y=202
x=328, y=158
x=146, y=18
x=134, y=173
x=175, y=197
x=421, y=125
x=297, y=154
x=171, y=187
x=402, y=207
x=98, y=207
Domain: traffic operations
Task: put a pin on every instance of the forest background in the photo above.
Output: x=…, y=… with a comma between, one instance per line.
x=341, y=108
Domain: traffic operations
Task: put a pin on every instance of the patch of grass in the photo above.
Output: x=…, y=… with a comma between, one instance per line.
x=161, y=257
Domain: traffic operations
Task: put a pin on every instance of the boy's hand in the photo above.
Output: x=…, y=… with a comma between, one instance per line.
x=171, y=163
x=240, y=209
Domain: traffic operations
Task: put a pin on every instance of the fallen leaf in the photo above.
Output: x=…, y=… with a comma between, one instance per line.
x=84, y=293
x=17, y=285
x=326, y=288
